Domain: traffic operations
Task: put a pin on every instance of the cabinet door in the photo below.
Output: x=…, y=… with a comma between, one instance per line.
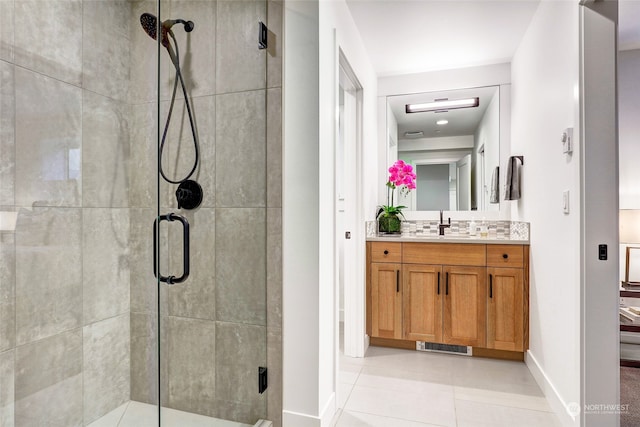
x=422, y=301
x=465, y=303
x=505, y=319
x=386, y=301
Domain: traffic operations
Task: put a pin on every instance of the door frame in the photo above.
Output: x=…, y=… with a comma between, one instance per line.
x=354, y=293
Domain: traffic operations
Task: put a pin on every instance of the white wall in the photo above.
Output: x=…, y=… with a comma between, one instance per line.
x=313, y=33
x=629, y=128
x=544, y=76
x=300, y=221
x=338, y=33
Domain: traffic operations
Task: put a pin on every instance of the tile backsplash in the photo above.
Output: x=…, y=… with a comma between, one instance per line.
x=501, y=229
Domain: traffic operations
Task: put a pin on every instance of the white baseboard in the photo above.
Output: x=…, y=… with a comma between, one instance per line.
x=295, y=419
x=556, y=402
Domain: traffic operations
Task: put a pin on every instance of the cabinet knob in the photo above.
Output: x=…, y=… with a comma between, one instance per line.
x=386, y=252
x=505, y=256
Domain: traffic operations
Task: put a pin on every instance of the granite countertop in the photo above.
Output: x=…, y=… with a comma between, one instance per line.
x=450, y=239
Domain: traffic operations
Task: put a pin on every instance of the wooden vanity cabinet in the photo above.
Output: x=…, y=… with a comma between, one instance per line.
x=444, y=293
x=423, y=290
x=464, y=320
x=507, y=303
x=463, y=294
x=386, y=290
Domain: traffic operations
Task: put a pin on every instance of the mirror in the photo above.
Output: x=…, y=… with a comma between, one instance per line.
x=455, y=152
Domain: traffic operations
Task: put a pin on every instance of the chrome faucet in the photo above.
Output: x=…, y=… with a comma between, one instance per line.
x=442, y=225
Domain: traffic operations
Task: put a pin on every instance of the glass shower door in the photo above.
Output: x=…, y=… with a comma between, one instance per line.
x=212, y=322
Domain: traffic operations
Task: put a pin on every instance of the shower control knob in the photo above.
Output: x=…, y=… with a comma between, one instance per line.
x=189, y=194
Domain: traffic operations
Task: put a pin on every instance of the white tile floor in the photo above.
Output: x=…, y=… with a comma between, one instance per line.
x=137, y=414
x=405, y=388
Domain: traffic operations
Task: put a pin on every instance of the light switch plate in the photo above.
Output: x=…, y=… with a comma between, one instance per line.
x=567, y=140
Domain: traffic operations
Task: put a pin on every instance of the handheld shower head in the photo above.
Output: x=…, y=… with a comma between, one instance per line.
x=188, y=25
x=150, y=26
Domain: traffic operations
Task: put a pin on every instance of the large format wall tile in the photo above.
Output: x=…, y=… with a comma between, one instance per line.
x=274, y=53
x=274, y=363
x=240, y=65
x=7, y=291
x=7, y=398
x=197, y=48
x=144, y=287
x=143, y=156
x=144, y=360
x=48, y=272
x=105, y=152
x=6, y=30
x=274, y=268
x=106, y=366
x=179, y=153
x=241, y=149
x=274, y=148
x=48, y=140
x=190, y=351
x=105, y=263
x=48, y=38
x=241, y=266
x=240, y=350
x=48, y=383
x=7, y=131
x=144, y=57
x=105, y=47
x=196, y=297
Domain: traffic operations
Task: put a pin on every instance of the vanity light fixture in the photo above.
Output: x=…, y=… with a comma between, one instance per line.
x=413, y=134
x=442, y=122
x=442, y=105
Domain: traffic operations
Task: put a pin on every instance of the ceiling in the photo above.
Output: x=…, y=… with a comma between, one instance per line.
x=409, y=36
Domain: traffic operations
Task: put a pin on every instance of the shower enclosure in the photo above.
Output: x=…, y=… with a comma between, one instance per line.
x=88, y=334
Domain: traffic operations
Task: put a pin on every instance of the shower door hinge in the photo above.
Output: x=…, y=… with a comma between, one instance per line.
x=262, y=35
x=262, y=379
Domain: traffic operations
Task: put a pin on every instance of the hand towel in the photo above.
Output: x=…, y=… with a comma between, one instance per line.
x=494, y=197
x=512, y=183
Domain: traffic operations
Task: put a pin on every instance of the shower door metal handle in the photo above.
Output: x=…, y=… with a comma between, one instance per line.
x=170, y=217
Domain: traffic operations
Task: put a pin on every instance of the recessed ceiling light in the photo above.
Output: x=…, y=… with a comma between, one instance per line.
x=442, y=122
x=442, y=105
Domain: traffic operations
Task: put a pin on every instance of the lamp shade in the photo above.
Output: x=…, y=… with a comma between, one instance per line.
x=630, y=226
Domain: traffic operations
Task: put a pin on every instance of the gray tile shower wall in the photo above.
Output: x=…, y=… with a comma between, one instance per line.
x=78, y=301
x=65, y=170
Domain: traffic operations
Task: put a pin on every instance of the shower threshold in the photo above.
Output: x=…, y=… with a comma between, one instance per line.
x=137, y=414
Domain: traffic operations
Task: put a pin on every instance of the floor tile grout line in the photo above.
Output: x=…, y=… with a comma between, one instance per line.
x=505, y=405
x=550, y=411
x=392, y=418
